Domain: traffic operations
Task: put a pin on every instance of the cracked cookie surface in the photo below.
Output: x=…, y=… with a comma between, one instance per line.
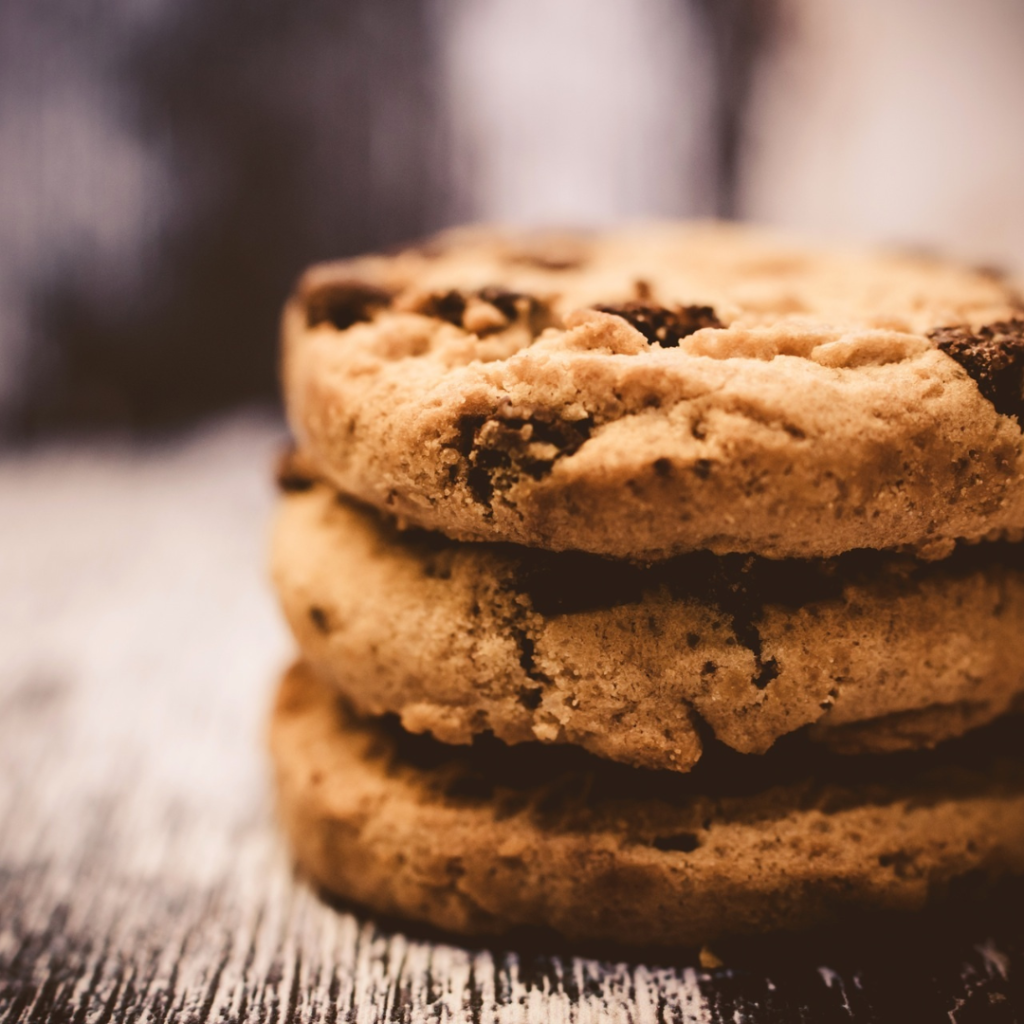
x=652, y=391
x=874, y=652
x=480, y=840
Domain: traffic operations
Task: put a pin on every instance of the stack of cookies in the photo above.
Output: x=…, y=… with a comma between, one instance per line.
x=651, y=586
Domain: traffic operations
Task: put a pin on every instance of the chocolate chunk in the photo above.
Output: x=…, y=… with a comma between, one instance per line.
x=530, y=697
x=448, y=306
x=994, y=358
x=663, y=326
x=293, y=474
x=451, y=306
x=901, y=862
x=565, y=435
x=503, y=300
x=319, y=619
x=468, y=427
x=499, y=451
x=513, y=305
x=344, y=303
x=478, y=480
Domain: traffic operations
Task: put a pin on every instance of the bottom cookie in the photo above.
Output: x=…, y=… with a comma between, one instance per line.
x=482, y=839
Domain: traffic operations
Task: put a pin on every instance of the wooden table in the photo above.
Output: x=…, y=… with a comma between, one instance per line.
x=141, y=876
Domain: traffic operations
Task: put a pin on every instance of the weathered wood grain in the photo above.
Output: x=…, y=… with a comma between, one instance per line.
x=141, y=877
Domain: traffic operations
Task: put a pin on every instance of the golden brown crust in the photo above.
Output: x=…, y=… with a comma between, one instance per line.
x=634, y=665
x=481, y=393
x=484, y=842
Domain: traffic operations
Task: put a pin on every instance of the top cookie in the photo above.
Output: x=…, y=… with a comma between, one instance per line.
x=655, y=390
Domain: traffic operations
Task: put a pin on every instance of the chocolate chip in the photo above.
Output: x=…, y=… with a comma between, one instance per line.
x=291, y=474
x=530, y=697
x=451, y=306
x=319, y=619
x=901, y=862
x=661, y=325
x=683, y=842
x=498, y=452
x=539, y=315
x=504, y=301
x=344, y=303
x=436, y=568
x=566, y=435
x=467, y=431
x=448, y=306
x=994, y=358
x=478, y=480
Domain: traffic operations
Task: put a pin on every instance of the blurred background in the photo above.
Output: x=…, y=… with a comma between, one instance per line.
x=167, y=168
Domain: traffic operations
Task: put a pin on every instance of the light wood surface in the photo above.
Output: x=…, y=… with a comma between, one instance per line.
x=141, y=876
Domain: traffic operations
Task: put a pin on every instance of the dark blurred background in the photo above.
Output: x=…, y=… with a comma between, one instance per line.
x=167, y=167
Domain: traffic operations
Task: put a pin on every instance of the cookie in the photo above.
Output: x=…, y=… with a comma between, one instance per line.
x=875, y=652
x=648, y=392
x=480, y=840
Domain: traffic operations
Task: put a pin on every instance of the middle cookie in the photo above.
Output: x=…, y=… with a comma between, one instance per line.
x=875, y=652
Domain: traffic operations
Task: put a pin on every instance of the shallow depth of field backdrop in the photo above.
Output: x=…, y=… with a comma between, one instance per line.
x=167, y=166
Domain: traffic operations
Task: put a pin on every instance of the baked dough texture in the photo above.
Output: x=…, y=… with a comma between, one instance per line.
x=484, y=839
x=651, y=391
x=875, y=652
x=651, y=586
